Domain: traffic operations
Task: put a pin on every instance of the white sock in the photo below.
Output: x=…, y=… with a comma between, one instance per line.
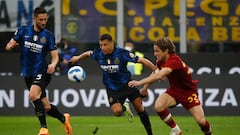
x=176, y=127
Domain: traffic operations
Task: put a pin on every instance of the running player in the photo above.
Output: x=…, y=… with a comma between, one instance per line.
x=182, y=88
x=113, y=62
x=35, y=43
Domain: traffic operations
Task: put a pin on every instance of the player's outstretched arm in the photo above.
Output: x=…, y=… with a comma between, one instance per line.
x=150, y=79
x=147, y=63
x=11, y=44
x=84, y=55
x=151, y=66
x=144, y=89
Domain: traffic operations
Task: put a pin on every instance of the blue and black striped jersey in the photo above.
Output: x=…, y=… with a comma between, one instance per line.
x=114, y=67
x=34, y=48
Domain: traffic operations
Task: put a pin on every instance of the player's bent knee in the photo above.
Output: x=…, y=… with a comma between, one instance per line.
x=158, y=108
x=117, y=112
x=47, y=108
x=33, y=97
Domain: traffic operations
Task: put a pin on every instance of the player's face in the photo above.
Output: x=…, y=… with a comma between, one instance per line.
x=40, y=21
x=106, y=46
x=159, y=54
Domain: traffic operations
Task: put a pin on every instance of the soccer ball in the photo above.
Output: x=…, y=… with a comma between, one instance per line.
x=76, y=74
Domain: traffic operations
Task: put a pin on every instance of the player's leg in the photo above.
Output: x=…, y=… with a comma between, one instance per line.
x=198, y=114
x=52, y=110
x=116, y=101
x=161, y=107
x=143, y=115
x=192, y=103
x=34, y=95
x=36, y=92
x=117, y=109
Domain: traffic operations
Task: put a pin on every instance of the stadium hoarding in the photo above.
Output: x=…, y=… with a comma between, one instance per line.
x=218, y=88
x=89, y=97
x=147, y=20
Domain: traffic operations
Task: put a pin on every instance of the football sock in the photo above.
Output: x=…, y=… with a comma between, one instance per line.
x=56, y=114
x=40, y=112
x=167, y=118
x=206, y=128
x=146, y=122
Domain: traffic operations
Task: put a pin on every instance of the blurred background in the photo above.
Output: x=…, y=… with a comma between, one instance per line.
x=205, y=32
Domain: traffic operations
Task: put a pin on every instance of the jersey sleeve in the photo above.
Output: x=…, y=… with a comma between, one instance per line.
x=18, y=33
x=130, y=57
x=93, y=54
x=52, y=44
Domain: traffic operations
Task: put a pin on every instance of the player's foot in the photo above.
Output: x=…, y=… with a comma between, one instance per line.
x=209, y=132
x=66, y=125
x=128, y=113
x=43, y=131
x=176, y=131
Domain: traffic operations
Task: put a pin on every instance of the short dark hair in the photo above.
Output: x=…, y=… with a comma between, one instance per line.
x=39, y=10
x=105, y=36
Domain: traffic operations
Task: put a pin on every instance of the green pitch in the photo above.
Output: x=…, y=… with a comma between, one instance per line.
x=110, y=125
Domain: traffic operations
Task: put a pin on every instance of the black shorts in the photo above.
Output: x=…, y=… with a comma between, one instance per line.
x=42, y=80
x=119, y=96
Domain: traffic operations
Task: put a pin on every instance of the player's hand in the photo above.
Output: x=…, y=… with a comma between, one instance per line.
x=51, y=68
x=133, y=83
x=11, y=45
x=65, y=62
x=74, y=59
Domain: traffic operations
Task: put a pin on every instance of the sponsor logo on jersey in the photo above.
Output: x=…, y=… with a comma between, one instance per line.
x=33, y=46
x=110, y=68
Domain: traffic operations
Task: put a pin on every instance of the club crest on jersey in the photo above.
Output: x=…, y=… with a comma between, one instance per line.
x=131, y=55
x=116, y=61
x=43, y=40
x=35, y=38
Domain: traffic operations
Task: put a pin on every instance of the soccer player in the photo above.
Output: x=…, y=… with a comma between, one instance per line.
x=113, y=62
x=182, y=88
x=36, y=42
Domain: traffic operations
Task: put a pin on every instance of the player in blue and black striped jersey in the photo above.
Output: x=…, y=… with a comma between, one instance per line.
x=113, y=62
x=35, y=43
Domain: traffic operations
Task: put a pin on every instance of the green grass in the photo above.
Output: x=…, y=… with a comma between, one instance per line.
x=110, y=125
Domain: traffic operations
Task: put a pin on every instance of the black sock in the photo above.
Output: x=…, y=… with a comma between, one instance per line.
x=145, y=121
x=56, y=114
x=40, y=112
